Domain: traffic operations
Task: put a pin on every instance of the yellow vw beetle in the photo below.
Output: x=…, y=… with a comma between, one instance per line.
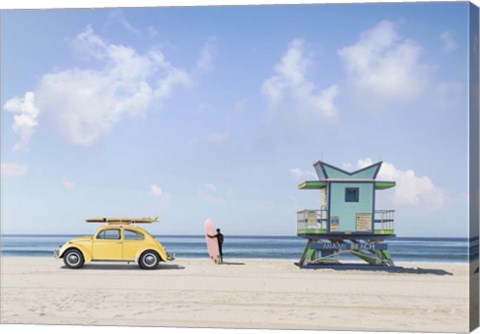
x=119, y=240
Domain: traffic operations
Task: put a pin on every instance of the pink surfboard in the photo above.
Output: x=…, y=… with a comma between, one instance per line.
x=212, y=243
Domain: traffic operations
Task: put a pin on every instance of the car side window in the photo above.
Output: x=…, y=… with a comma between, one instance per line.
x=132, y=235
x=111, y=234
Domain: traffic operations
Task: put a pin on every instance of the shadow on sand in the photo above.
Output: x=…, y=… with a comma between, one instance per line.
x=112, y=266
x=398, y=270
x=232, y=263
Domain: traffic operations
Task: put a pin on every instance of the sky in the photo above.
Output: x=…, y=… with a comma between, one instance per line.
x=220, y=112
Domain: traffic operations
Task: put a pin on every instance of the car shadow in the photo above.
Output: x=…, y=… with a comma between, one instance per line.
x=107, y=266
x=170, y=267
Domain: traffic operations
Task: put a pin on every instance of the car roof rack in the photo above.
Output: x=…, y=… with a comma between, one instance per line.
x=123, y=221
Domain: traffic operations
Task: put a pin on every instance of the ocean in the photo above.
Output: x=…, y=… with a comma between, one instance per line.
x=404, y=249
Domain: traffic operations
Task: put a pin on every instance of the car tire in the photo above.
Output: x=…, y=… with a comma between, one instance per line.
x=149, y=260
x=73, y=258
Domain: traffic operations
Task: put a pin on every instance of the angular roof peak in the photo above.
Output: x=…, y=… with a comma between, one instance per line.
x=326, y=171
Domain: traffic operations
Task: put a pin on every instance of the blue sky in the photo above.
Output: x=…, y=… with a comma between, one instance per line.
x=220, y=112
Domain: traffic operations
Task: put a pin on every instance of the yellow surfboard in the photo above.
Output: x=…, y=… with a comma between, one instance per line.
x=146, y=220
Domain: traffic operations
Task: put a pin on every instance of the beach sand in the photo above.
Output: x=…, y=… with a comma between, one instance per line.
x=238, y=294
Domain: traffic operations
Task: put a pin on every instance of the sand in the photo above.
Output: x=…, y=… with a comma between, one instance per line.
x=239, y=294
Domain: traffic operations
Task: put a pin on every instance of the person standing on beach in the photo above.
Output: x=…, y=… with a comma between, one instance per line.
x=219, y=237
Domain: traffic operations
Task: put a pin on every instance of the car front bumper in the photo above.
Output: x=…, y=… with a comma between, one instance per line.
x=171, y=256
x=56, y=253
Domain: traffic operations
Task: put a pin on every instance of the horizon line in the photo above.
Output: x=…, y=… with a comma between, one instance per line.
x=233, y=235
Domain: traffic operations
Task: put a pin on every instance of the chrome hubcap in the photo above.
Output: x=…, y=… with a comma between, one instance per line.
x=73, y=259
x=149, y=260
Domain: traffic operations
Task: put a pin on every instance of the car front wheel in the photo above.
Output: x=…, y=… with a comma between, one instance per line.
x=149, y=260
x=73, y=259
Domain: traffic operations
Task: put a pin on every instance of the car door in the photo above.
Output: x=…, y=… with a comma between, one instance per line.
x=132, y=242
x=107, y=245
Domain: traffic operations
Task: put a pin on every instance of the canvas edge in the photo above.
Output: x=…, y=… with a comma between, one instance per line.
x=474, y=146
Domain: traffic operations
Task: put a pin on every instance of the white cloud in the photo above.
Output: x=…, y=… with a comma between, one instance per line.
x=206, y=61
x=230, y=193
x=298, y=173
x=208, y=190
x=161, y=199
x=384, y=68
x=205, y=108
x=410, y=188
x=152, y=31
x=240, y=105
x=215, y=138
x=211, y=193
x=10, y=169
x=83, y=104
x=347, y=166
x=448, y=41
x=449, y=96
x=68, y=184
x=290, y=82
x=117, y=16
x=155, y=190
x=25, y=119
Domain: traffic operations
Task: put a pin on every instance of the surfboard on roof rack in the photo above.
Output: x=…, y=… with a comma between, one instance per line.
x=146, y=220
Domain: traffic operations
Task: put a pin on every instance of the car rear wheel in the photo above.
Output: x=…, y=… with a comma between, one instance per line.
x=149, y=260
x=73, y=258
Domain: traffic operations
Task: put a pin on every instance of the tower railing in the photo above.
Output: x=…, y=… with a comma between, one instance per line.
x=315, y=221
x=312, y=221
x=384, y=220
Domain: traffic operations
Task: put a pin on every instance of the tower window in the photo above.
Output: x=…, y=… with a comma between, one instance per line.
x=351, y=194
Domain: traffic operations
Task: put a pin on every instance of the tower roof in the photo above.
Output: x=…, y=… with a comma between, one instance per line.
x=326, y=172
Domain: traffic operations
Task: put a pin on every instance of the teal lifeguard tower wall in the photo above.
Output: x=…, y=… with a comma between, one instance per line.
x=347, y=221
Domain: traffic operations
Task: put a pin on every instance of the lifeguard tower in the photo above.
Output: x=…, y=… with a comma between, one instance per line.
x=347, y=223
